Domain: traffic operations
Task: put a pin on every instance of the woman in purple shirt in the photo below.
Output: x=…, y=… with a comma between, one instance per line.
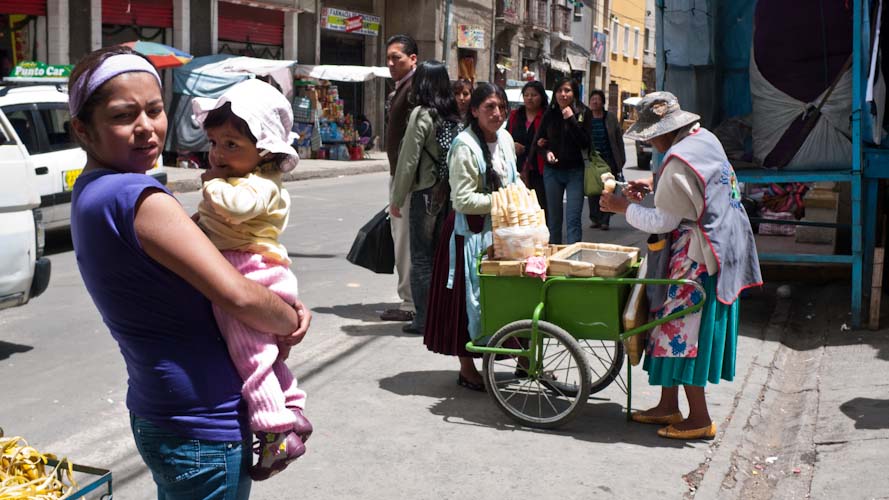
x=152, y=275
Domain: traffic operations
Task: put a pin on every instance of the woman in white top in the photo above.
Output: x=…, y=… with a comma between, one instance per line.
x=700, y=232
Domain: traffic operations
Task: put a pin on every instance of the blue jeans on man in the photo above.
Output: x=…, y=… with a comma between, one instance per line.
x=564, y=183
x=188, y=469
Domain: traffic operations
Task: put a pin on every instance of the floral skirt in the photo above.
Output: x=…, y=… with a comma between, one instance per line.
x=716, y=351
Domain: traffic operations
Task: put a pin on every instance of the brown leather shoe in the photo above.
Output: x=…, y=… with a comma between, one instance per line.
x=670, y=432
x=397, y=315
x=673, y=418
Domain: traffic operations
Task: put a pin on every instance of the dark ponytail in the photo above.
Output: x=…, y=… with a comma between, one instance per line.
x=480, y=95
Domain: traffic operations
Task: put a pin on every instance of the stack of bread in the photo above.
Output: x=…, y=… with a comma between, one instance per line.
x=514, y=206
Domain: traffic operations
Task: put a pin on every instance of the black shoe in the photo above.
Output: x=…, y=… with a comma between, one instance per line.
x=595, y=224
x=409, y=328
x=397, y=315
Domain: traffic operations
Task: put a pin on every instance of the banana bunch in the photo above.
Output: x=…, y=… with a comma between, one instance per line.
x=610, y=183
x=23, y=473
x=514, y=205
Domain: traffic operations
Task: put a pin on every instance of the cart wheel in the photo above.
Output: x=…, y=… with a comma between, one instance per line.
x=606, y=358
x=558, y=391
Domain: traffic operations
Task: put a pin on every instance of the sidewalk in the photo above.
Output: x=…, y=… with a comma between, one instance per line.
x=181, y=180
x=812, y=420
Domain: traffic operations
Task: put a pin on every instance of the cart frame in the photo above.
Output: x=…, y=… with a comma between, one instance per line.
x=618, y=285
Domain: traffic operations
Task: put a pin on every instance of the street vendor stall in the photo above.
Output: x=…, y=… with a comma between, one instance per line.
x=326, y=129
x=787, y=89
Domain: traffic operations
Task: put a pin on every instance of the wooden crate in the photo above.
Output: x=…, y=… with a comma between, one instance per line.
x=560, y=264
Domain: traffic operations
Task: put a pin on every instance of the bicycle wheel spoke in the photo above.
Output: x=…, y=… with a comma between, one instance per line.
x=550, y=403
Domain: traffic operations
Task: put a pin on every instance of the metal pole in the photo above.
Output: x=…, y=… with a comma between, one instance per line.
x=446, y=49
x=493, y=38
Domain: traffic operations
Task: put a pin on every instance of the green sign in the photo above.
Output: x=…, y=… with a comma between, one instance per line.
x=35, y=69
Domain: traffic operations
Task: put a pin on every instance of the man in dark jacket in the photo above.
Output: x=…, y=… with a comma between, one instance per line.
x=401, y=57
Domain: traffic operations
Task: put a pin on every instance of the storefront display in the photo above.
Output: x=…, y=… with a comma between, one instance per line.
x=319, y=112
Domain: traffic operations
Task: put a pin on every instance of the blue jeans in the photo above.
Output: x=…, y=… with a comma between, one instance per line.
x=192, y=469
x=424, y=233
x=568, y=183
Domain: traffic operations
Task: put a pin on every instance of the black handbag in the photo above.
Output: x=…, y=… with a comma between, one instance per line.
x=373, y=247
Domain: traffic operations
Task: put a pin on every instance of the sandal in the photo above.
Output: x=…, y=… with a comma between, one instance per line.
x=303, y=428
x=472, y=386
x=276, y=450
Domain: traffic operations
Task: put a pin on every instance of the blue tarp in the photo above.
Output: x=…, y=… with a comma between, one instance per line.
x=196, y=79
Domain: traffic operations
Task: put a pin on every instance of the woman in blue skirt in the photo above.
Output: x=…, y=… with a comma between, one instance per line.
x=700, y=232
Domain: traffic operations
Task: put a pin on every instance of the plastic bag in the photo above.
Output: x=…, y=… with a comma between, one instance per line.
x=521, y=242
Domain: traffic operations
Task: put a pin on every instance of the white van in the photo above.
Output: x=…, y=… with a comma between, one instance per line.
x=24, y=272
x=38, y=114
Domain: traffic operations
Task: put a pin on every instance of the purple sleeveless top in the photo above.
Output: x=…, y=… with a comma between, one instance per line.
x=180, y=374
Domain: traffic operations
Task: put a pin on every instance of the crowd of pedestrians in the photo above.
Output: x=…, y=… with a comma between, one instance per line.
x=218, y=283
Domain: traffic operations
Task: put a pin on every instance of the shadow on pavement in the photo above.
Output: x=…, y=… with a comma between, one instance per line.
x=602, y=421
x=379, y=329
x=7, y=349
x=314, y=255
x=362, y=312
x=868, y=413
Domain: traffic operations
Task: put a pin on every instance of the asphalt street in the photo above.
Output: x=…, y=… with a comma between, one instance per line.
x=389, y=417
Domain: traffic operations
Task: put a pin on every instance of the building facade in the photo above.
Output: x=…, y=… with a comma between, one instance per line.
x=604, y=44
x=627, y=22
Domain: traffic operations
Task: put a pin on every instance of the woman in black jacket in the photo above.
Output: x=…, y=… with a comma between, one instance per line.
x=565, y=140
x=523, y=124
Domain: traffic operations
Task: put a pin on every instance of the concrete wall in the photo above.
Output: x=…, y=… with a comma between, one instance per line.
x=202, y=34
x=79, y=28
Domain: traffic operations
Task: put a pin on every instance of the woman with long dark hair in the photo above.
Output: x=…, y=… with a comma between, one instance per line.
x=418, y=175
x=608, y=139
x=523, y=124
x=565, y=140
x=481, y=161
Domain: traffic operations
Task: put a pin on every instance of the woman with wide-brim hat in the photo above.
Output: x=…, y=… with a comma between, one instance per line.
x=700, y=232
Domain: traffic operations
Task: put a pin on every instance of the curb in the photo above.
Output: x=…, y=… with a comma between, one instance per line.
x=300, y=174
x=746, y=403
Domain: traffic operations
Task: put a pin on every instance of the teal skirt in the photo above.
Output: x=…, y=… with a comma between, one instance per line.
x=717, y=345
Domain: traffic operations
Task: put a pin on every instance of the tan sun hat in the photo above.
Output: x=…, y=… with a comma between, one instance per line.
x=657, y=114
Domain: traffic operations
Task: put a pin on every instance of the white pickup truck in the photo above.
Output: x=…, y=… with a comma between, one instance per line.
x=24, y=272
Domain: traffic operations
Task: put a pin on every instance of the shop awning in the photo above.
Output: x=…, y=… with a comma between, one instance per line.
x=579, y=63
x=209, y=76
x=560, y=66
x=341, y=73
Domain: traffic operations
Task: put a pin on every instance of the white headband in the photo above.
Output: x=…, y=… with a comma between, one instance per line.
x=115, y=65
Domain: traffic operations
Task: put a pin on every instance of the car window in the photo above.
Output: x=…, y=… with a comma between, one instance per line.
x=22, y=120
x=57, y=122
x=4, y=139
